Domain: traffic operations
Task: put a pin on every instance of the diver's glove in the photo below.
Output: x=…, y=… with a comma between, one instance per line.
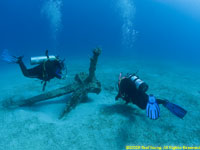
x=152, y=109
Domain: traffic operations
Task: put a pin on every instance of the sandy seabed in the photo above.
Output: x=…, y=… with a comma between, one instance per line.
x=99, y=122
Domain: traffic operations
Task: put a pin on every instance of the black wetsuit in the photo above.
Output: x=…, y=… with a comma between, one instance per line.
x=129, y=93
x=45, y=71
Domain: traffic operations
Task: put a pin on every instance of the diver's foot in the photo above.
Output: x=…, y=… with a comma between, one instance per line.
x=127, y=102
x=19, y=59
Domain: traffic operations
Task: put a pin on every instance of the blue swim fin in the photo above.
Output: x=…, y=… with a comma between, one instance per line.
x=5, y=56
x=175, y=109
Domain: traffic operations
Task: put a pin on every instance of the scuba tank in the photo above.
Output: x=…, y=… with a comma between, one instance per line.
x=139, y=84
x=41, y=59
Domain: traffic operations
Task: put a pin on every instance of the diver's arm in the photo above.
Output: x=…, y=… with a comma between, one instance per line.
x=58, y=74
x=118, y=96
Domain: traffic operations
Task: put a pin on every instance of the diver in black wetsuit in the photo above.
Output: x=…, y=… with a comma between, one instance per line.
x=132, y=89
x=45, y=71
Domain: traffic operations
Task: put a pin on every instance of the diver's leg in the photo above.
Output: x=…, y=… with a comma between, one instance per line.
x=141, y=100
x=142, y=103
x=160, y=101
x=31, y=73
x=23, y=68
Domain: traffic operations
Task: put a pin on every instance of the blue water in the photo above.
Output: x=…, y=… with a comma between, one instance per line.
x=75, y=27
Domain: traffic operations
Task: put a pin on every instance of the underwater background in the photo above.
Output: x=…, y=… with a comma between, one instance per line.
x=147, y=27
x=160, y=38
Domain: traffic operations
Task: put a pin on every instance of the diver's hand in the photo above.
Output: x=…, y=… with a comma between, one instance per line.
x=63, y=78
x=117, y=97
x=152, y=109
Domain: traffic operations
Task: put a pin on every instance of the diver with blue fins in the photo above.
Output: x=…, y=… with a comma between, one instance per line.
x=48, y=67
x=133, y=89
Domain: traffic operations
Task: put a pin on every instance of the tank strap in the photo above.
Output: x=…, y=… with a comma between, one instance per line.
x=44, y=72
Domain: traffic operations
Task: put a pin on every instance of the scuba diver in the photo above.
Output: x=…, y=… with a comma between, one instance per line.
x=48, y=67
x=133, y=89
